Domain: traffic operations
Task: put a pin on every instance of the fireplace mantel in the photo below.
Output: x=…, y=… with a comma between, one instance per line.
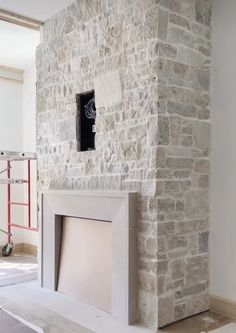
x=119, y=208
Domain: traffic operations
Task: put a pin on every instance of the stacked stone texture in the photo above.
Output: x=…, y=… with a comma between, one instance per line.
x=183, y=157
x=155, y=141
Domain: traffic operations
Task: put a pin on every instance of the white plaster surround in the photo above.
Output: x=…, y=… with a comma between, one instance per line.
x=119, y=208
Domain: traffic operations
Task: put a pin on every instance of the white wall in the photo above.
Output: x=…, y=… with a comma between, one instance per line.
x=17, y=119
x=223, y=169
x=29, y=142
x=18, y=133
x=10, y=116
x=11, y=138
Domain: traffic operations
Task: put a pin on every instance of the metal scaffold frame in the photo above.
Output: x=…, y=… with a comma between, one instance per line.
x=10, y=157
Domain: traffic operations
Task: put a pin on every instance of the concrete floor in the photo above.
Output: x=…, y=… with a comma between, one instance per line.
x=18, y=268
x=11, y=325
x=37, y=305
x=44, y=308
x=55, y=312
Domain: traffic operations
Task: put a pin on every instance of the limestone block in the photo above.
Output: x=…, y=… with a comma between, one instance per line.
x=179, y=206
x=203, y=11
x=127, y=150
x=179, y=20
x=166, y=313
x=201, y=30
x=160, y=157
x=197, y=304
x=196, y=204
x=165, y=229
x=151, y=246
x=160, y=285
x=204, y=50
x=148, y=265
x=187, y=140
x=172, y=5
x=202, y=166
x=182, y=174
x=189, y=291
x=149, y=188
x=180, y=311
x=200, y=79
x=180, y=163
x=175, y=127
x=182, y=95
x=153, y=131
x=163, y=130
x=147, y=282
x=173, y=71
x=108, y=90
x=184, y=110
x=177, y=269
x=190, y=57
x=179, y=36
x=176, y=242
x=191, y=226
x=162, y=267
x=151, y=22
x=67, y=131
x=196, y=270
x=162, y=23
x=166, y=205
x=161, y=254
x=172, y=186
x=201, y=134
x=203, y=241
x=203, y=114
x=167, y=50
x=203, y=181
x=148, y=308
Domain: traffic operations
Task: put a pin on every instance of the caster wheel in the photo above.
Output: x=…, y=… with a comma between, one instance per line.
x=7, y=250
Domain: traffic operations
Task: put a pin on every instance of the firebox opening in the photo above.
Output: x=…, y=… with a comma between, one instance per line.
x=86, y=117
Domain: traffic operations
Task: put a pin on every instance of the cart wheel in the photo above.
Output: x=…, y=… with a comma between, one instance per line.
x=7, y=250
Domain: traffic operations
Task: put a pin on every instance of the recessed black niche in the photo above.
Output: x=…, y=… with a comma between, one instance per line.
x=85, y=121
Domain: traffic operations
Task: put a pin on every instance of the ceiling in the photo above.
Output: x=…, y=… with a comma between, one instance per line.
x=40, y=10
x=18, y=45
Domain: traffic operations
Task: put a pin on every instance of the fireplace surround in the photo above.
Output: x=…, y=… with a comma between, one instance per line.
x=119, y=208
x=149, y=65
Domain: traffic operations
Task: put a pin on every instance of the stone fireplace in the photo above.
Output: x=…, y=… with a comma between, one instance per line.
x=148, y=64
x=117, y=208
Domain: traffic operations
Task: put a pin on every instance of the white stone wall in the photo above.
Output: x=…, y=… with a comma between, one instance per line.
x=109, y=46
x=148, y=62
x=183, y=157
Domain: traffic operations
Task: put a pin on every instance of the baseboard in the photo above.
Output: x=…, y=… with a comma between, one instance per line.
x=223, y=306
x=30, y=249
x=25, y=248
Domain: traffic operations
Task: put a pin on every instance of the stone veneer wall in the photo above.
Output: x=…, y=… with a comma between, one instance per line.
x=183, y=157
x=148, y=61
